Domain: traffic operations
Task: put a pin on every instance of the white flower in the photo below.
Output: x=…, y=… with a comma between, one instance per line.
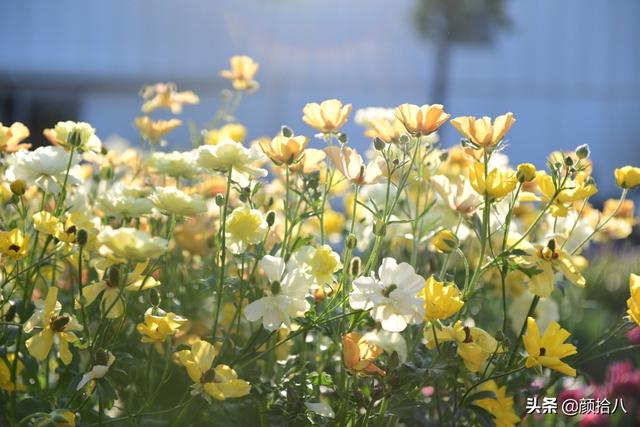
x=389, y=342
x=97, y=372
x=320, y=263
x=121, y=202
x=170, y=200
x=176, y=164
x=320, y=408
x=365, y=116
x=393, y=297
x=230, y=155
x=460, y=198
x=287, y=299
x=45, y=167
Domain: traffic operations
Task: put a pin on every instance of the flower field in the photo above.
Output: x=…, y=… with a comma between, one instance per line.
x=301, y=280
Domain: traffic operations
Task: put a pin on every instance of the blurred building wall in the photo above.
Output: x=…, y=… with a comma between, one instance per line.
x=568, y=70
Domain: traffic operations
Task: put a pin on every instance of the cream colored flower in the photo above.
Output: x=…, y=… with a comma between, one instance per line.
x=128, y=244
x=166, y=95
x=328, y=116
x=170, y=200
x=351, y=165
x=321, y=263
x=176, y=163
x=244, y=227
x=45, y=167
x=120, y=202
x=243, y=69
x=80, y=135
x=230, y=156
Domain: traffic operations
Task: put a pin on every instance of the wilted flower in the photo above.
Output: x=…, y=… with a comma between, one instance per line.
x=171, y=200
x=152, y=130
x=166, y=95
x=481, y=132
x=352, y=166
x=328, y=116
x=245, y=226
x=220, y=382
x=359, y=355
x=54, y=325
x=243, y=69
x=441, y=300
x=421, y=120
x=392, y=297
x=549, y=349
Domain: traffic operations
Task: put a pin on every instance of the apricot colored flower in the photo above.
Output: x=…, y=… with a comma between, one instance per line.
x=633, y=303
x=243, y=69
x=359, y=355
x=421, y=120
x=220, y=382
x=284, y=149
x=166, y=95
x=497, y=183
x=351, y=165
x=152, y=130
x=481, y=132
x=441, y=300
x=549, y=349
x=328, y=116
x=11, y=137
x=628, y=177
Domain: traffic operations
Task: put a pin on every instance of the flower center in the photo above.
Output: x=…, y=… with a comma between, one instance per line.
x=543, y=351
x=58, y=323
x=14, y=248
x=208, y=377
x=467, y=335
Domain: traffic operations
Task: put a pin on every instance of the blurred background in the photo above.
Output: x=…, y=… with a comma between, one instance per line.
x=567, y=69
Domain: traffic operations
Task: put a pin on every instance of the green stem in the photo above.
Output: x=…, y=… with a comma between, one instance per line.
x=223, y=249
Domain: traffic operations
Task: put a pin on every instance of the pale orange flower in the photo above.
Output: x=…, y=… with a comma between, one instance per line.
x=481, y=132
x=359, y=355
x=328, y=116
x=243, y=69
x=421, y=120
x=166, y=95
x=11, y=137
x=154, y=130
x=350, y=164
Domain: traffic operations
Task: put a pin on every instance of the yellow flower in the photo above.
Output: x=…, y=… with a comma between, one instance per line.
x=445, y=241
x=12, y=136
x=244, y=227
x=53, y=324
x=127, y=244
x=154, y=130
x=550, y=349
x=421, y=120
x=628, y=177
x=475, y=345
x=320, y=262
x=6, y=363
x=501, y=407
x=633, y=303
x=166, y=95
x=359, y=355
x=14, y=244
x=112, y=303
x=574, y=190
x=328, y=116
x=45, y=223
x=526, y=172
x=243, y=69
x=220, y=382
x=481, y=132
x=74, y=222
x=497, y=184
x=233, y=131
x=159, y=325
x=284, y=149
x=549, y=258
x=62, y=418
x=441, y=300
x=351, y=165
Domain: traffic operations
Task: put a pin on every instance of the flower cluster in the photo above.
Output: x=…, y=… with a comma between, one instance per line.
x=299, y=279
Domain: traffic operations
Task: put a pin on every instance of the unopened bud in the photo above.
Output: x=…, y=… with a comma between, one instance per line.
x=355, y=267
x=154, y=298
x=378, y=144
x=113, y=277
x=82, y=237
x=75, y=138
x=568, y=161
x=271, y=218
x=445, y=241
x=404, y=139
x=379, y=228
x=352, y=241
x=102, y=357
x=342, y=137
x=18, y=187
x=583, y=152
x=275, y=287
x=220, y=200
x=286, y=132
x=526, y=172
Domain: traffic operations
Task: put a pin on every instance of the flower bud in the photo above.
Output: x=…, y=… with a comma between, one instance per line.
x=275, y=287
x=271, y=218
x=342, y=137
x=286, y=132
x=379, y=228
x=75, y=138
x=568, y=161
x=113, y=277
x=445, y=241
x=18, y=187
x=378, y=144
x=355, y=267
x=102, y=357
x=154, y=298
x=220, y=200
x=628, y=177
x=352, y=241
x=82, y=237
x=526, y=172
x=583, y=152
